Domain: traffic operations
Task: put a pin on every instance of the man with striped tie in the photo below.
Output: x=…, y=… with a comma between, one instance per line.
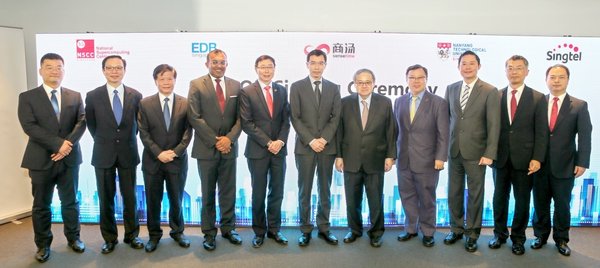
x=474, y=132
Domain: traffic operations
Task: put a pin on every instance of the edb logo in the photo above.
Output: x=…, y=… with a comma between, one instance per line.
x=203, y=47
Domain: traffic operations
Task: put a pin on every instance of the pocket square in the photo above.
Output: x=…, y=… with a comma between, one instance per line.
x=233, y=96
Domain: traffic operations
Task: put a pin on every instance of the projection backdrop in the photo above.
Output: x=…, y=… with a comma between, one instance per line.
x=388, y=55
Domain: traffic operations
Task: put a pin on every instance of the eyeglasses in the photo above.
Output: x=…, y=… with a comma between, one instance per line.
x=216, y=62
x=265, y=67
x=364, y=83
x=412, y=78
x=114, y=68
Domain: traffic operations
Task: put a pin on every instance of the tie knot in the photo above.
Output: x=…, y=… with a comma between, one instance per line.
x=53, y=91
x=116, y=91
x=555, y=99
x=317, y=83
x=267, y=88
x=467, y=87
x=514, y=91
x=218, y=80
x=166, y=99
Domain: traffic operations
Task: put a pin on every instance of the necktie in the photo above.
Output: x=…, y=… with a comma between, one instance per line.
x=513, y=105
x=365, y=114
x=220, y=95
x=413, y=108
x=554, y=114
x=318, y=92
x=54, y=102
x=465, y=97
x=167, y=113
x=269, y=101
x=117, y=107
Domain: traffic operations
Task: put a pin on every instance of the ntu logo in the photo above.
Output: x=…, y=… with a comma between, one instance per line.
x=564, y=53
x=85, y=49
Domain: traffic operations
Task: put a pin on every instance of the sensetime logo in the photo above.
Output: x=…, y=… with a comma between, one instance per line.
x=201, y=49
x=323, y=47
x=564, y=53
x=337, y=50
x=85, y=49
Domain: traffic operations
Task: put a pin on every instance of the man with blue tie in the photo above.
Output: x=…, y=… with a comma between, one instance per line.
x=111, y=112
x=166, y=134
x=53, y=118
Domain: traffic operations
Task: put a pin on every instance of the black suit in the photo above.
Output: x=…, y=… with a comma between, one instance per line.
x=364, y=153
x=520, y=142
x=266, y=169
x=157, y=138
x=555, y=181
x=215, y=168
x=46, y=135
x=313, y=120
x=115, y=148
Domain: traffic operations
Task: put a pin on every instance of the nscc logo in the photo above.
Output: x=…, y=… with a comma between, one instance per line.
x=85, y=48
x=202, y=47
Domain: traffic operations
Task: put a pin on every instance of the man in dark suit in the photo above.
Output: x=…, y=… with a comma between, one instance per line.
x=422, y=150
x=366, y=150
x=474, y=129
x=521, y=150
x=567, y=158
x=315, y=115
x=166, y=134
x=111, y=112
x=53, y=118
x=213, y=113
x=264, y=112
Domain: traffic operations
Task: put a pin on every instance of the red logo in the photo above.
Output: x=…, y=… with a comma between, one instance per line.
x=85, y=49
x=323, y=47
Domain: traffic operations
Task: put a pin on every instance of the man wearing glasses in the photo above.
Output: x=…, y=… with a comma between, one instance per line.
x=315, y=115
x=111, y=114
x=213, y=113
x=366, y=150
x=264, y=112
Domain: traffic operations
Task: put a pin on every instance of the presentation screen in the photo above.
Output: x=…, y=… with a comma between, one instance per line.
x=387, y=54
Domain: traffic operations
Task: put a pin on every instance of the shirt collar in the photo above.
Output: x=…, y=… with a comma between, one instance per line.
x=471, y=85
x=49, y=89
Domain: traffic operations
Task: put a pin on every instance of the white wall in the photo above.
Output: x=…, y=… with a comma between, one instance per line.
x=509, y=17
x=15, y=189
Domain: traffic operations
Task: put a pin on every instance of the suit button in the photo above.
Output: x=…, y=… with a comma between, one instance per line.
x=510, y=132
x=551, y=134
x=461, y=118
x=118, y=130
x=118, y=141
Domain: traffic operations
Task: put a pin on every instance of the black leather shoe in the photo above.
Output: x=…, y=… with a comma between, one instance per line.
x=376, y=241
x=135, y=243
x=151, y=245
x=77, y=246
x=471, y=244
x=496, y=242
x=209, y=242
x=428, y=241
x=42, y=254
x=406, y=236
x=182, y=241
x=233, y=237
x=452, y=237
x=278, y=237
x=563, y=249
x=518, y=249
x=328, y=237
x=350, y=237
x=258, y=241
x=537, y=243
x=108, y=247
x=304, y=239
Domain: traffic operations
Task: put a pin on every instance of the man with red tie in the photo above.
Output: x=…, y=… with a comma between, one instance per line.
x=567, y=158
x=264, y=113
x=521, y=150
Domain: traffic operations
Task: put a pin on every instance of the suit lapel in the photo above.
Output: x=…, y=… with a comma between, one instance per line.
x=45, y=101
x=157, y=111
x=473, y=96
x=309, y=90
x=564, y=110
x=526, y=98
x=405, y=110
x=108, y=103
x=211, y=92
x=456, y=97
x=277, y=99
x=261, y=96
x=356, y=110
x=424, y=104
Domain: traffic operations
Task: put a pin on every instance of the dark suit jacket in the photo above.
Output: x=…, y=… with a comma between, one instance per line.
x=112, y=141
x=563, y=155
x=46, y=134
x=426, y=139
x=313, y=121
x=156, y=138
x=205, y=116
x=257, y=122
x=475, y=132
x=527, y=137
x=370, y=147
